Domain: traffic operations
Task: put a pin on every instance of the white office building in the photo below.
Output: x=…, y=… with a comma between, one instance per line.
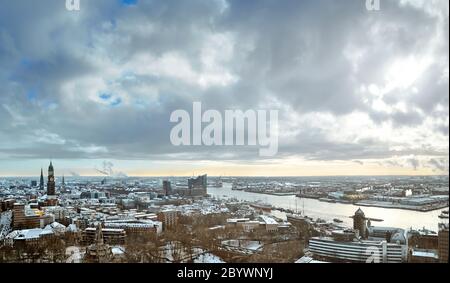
x=357, y=251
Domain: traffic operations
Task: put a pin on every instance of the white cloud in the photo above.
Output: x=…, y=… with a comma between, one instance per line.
x=349, y=85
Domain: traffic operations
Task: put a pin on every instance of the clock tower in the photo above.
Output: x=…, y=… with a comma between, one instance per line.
x=51, y=182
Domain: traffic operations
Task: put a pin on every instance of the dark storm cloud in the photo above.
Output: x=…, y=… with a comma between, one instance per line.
x=102, y=82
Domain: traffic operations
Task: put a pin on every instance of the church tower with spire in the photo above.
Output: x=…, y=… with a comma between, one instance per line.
x=51, y=192
x=98, y=252
x=41, y=181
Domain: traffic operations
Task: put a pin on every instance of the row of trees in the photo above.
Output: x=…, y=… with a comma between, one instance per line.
x=50, y=250
x=185, y=242
x=193, y=237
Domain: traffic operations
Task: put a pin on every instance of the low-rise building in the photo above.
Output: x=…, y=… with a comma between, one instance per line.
x=112, y=236
x=27, y=236
x=270, y=224
x=423, y=256
x=135, y=227
x=169, y=218
x=443, y=243
x=25, y=218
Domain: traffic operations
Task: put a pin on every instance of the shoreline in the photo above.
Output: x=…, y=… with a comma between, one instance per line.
x=365, y=203
x=404, y=207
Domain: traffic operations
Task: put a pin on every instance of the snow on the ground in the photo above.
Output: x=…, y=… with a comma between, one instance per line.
x=198, y=255
x=208, y=258
x=117, y=250
x=75, y=254
x=5, y=224
x=243, y=244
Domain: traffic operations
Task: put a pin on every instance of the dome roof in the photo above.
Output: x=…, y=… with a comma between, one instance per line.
x=359, y=212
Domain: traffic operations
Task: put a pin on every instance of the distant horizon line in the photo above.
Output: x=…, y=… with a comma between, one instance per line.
x=223, y=176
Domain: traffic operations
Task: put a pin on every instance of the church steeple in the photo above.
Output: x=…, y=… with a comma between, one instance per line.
x=51, y=181
x=41, y=181
x=99, y=235
x=63, y=185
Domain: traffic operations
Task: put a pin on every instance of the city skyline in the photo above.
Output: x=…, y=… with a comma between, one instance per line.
x=231, y=171
x=253, y=134
x=97, y=86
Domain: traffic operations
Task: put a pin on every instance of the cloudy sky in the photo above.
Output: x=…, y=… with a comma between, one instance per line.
x=358, y=92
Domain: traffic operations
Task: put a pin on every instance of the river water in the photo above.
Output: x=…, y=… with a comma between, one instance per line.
x=316, y=209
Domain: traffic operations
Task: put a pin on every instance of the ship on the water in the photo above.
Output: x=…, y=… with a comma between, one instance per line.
x=216, y=184
x=298, y=219
x=443, y=216
x=262, y=206
x=239, y=187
